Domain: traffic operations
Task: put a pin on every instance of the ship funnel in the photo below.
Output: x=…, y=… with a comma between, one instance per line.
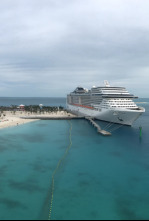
x=106, y=83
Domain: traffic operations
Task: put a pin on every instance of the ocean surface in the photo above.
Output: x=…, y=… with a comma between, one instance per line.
x=46, y=101
x=95, y=177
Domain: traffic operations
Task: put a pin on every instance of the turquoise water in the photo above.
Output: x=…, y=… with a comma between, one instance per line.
x=100, y=178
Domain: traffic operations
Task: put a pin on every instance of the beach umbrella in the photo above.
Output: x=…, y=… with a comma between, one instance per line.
x=40, y=105
x=21, y=106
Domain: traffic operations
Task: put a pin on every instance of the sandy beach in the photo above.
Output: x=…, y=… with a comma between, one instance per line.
x=9, y=118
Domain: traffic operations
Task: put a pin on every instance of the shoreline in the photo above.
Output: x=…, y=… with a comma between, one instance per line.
x=10, y=119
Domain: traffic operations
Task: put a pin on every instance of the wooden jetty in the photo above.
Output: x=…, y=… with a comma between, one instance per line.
x=99, y=130
x=52, y=117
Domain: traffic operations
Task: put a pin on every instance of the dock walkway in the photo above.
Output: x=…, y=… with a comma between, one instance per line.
x=52, y=117
x=99, y=130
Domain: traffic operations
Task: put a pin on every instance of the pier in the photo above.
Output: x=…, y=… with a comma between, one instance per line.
x=38, y=117
x=69, y=117
x=99, y=130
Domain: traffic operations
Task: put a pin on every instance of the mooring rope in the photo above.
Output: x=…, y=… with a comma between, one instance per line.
x=115, y=128
x=56, y=169
x=106, y=126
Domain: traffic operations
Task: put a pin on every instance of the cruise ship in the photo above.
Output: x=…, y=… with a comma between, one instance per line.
x=107, y=103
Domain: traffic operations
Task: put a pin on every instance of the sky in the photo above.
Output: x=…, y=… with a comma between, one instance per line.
x=49, y=47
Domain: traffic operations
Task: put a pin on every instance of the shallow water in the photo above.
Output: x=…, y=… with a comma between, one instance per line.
x=100, y=177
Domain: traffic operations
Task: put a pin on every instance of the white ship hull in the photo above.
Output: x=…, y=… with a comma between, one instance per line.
x=120, y=116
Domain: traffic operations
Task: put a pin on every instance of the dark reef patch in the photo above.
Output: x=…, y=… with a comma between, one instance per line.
x=83, y=184
x=3, y=148
x=29, y=186
x=41, y=125
x=34, y=138
x=12, y=138
x=12, y=204
x=115, y=153
x=3, y=170
x=10, y=144
x=94, y=214
x=125, y=209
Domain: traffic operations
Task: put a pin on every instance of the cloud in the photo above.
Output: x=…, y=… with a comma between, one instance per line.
x=48, y=47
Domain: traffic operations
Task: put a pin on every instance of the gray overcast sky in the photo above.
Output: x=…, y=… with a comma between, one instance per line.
x=49, y=47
